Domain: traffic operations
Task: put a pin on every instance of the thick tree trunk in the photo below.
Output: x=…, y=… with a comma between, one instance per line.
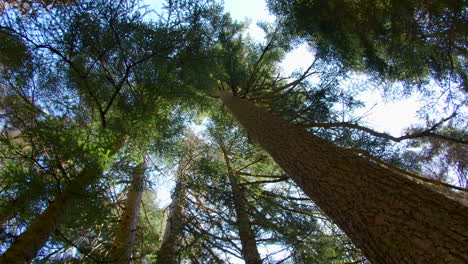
x=392, y=218
x=30, y=241
x=247, y=236
x=32, y=192
x=38, y=232
x=10, y=210
x=168, y=252
x=125, y=236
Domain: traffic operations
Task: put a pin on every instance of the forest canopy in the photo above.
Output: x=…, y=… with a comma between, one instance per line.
x=398, y=40
x=107, y=105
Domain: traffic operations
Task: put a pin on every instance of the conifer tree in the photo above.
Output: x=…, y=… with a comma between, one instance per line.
x=398, y=40
x=89, y=88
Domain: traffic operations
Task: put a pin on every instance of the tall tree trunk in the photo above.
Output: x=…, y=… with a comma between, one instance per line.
x=168, y=251
x=247, y=236
x=9, y=211
x=34, y=190
x=38, y=232
x=124, y=240
x=392, y=218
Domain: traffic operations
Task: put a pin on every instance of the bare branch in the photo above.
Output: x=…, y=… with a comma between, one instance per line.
x=426, y=133
x=86, y=254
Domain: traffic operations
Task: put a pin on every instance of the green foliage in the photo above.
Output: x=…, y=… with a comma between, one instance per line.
x=277, y=219
x=396, y=40
x=78, y=79
x=149, y=227
x=13, y=53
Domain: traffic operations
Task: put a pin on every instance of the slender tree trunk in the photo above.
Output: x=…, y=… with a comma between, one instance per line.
x=168, y=252
x=247, y=236
x=125, y=236
x=38, y=232
x=392, y=218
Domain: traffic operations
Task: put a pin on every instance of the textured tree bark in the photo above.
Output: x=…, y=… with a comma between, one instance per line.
x=247, y=236
x=38, y=232
x=30, y=241
x=170, y=244
x=124, y=240
x=390, y=217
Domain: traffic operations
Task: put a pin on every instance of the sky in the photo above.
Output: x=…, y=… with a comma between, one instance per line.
x=383, y=117
x=380, y=115
x=390, y=117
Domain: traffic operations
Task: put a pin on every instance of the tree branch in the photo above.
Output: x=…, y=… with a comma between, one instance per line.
x=426, y=133
x=281, y=179
x=77, y=247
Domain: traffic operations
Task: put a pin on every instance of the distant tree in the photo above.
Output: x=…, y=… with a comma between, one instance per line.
x=243, y=222
x=169, y=251
x=125, y=235
x=259, y=208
